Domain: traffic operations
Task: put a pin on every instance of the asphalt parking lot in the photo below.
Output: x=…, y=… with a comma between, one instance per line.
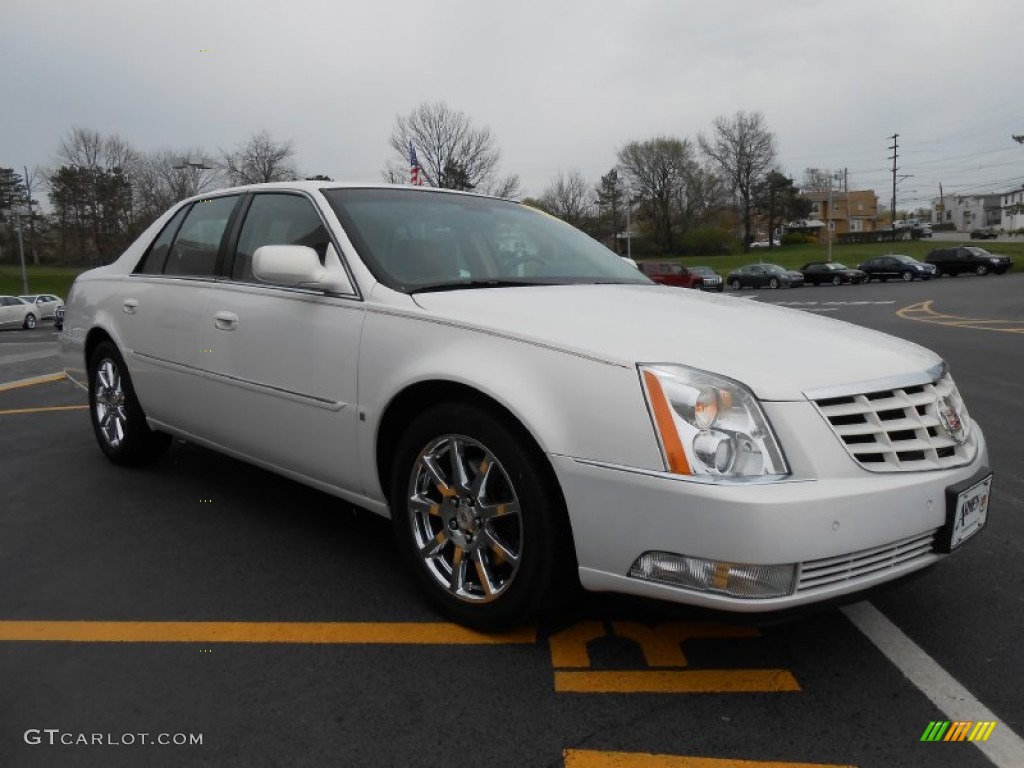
x=201, y=597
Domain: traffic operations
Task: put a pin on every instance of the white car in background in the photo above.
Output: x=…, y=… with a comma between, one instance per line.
x=46, y=303
x=529, y=418
x=16, y=311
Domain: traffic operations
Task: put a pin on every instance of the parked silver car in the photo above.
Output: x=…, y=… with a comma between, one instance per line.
x=529, y=417
x=16, y=311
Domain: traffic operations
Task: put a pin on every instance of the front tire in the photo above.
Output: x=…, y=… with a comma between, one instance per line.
x=837, y=280
x=773, y=283
x=480, y=518
x=117, y=418
x=907, y=276
x=30, y=322
x=981, y=270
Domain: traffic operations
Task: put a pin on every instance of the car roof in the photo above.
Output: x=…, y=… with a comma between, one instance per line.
x=314, y=186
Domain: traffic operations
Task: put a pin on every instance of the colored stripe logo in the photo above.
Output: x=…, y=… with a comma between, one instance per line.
x=958, y=730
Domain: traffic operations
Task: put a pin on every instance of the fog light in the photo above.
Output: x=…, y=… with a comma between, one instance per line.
x=733, y=579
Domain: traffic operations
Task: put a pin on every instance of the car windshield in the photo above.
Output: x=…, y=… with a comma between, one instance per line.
x=704, y=271
x=905, y=259
x=977, y=251
x=837, y=266
x=774, y=268
x=416, y=240
x=28, y=298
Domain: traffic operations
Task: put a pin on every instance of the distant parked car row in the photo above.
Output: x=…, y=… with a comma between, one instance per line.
x=941, y=261
x=28, y=310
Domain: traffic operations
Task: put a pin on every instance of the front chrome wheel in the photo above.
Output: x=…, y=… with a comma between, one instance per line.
x=465, y=518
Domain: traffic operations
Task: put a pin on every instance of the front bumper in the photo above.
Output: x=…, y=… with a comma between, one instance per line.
x=845, y=534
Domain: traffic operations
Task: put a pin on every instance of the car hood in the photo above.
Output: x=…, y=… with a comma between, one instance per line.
x=778, y=352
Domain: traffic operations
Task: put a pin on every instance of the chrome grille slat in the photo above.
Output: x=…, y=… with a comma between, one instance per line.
x=816, y=574
x=899, y=430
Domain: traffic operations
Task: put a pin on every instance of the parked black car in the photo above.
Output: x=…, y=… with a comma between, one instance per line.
x=897, y=266
x=967, y=258
x=712, y=280
x=761, y=275
x=984, y=234
x=818, y=272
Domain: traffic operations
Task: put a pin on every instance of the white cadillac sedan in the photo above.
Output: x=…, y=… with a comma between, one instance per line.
x=529, y=409
x=14, y=310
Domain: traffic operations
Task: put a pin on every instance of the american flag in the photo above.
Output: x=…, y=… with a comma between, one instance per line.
x=415, y=177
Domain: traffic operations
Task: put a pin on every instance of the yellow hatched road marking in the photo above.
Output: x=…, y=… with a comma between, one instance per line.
x=397, y=633
x=676, y=681
x=31, y=382
x=14, y=411
x=580, y=758
x=924, y=312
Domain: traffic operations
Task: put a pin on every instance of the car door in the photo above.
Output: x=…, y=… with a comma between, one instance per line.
x=8, y=311
x=281, y=362
x=161, y=308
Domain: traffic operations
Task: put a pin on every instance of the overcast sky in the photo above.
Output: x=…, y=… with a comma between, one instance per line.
x=561, y=84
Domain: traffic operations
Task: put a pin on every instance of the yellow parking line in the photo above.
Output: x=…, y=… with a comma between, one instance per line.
x=924, y=312
x=31, y=382
x=44, y=410
x=585, y=758
x=392, y=633
x=676, y=681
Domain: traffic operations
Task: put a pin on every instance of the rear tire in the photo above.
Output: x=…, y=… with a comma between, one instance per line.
x=117, y=418
x=480, y=519
x=735, y=285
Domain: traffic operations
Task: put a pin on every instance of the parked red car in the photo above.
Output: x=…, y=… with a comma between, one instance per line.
x=670, y=273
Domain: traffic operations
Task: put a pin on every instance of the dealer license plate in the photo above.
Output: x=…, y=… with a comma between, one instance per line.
x=969, y=511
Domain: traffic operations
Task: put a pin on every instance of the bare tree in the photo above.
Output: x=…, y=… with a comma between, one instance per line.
x=452, y=153
x=568, y=197
x=744, y=150
x=165, y=176
x=659, y=171
x=260, y=159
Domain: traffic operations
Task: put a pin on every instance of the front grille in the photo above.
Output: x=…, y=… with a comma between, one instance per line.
x=900, y=430
x=815, y=574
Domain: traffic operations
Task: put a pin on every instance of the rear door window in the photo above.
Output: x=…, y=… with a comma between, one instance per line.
x=197, y=246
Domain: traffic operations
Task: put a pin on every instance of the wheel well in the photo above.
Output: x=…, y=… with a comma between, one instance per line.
x=95, y=337
x=403, y=408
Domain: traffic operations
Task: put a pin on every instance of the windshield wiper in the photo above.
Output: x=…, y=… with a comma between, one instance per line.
x=458, y=285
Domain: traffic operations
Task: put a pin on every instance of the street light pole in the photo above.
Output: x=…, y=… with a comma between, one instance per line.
x=21, y=252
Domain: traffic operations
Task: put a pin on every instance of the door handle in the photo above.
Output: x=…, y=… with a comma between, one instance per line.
x=225, y=321
x=130, y=305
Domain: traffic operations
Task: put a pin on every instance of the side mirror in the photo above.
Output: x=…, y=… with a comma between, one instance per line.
x=299, y=266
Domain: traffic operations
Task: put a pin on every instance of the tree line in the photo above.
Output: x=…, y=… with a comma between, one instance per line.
x=677, y=194
x=103, y=192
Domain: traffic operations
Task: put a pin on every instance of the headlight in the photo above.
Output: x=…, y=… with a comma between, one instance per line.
x=709, y=425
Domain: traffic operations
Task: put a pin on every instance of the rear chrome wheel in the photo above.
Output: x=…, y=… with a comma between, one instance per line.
x=117, y=418
x=480, y=518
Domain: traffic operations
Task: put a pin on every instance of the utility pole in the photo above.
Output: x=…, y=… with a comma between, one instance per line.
x=895, y=154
